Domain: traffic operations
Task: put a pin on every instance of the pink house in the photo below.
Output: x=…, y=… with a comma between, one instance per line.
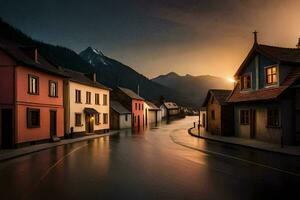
x=132, y=102
x=31, y=97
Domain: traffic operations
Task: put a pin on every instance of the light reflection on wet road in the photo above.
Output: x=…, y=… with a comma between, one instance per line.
x=146, y=165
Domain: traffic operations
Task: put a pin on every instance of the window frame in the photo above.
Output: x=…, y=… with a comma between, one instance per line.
x=266, y=75
x=97, y=99
x=88, y=97
x=29, y=118
x=243, y=118
x=37, y=84
x=56, y=88
x=79, y=92
x=80, y=123
x=105, y=118
x=243, y=82
x=97, y=119
x=272, y=124
x=105, y=96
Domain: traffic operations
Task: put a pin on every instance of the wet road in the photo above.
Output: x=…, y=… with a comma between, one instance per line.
x=149, y=165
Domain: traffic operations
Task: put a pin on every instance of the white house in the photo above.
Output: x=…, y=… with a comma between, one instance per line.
x=86, y=104
x=120, y=117
x=152, y=113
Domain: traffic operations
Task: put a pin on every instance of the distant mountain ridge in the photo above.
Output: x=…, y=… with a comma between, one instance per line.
x=194, y=88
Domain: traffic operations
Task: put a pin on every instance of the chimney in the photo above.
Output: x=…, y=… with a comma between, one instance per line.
x=92, y=76
x=32, y=53
x=138, y=89
x=255, y=37
x=298, y=45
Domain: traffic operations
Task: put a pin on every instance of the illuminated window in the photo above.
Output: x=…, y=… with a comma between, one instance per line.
x=53, y=89
x=246, y=81
x=271, y=75
x=33, y=84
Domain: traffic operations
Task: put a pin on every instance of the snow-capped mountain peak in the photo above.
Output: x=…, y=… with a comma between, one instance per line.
x=93, y=56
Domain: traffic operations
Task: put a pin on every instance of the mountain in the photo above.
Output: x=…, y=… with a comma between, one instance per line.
x=113, y=73
x=193, y=87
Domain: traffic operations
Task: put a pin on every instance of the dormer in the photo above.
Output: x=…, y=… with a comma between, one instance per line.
x=31, y=52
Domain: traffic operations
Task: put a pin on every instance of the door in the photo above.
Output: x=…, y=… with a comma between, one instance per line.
x=252, y=123
x=89, y=123
x=53, y=123
x=7, y=128
x=146, y=117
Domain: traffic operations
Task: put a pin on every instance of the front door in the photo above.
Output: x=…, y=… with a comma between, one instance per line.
x=53, y=124
x=252, y=123
x=89, y=123
x=7, y=128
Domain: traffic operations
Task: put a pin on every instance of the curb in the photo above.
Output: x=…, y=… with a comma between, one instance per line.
x=241, y=145
x=61, y=143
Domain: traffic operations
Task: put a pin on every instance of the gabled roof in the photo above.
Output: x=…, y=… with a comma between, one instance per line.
x=17, y=52
x=79, y=77
x=219, y=95
x=118, y=107
x=265, y=93
x=277, y=54
x=130, y=93
x=151, y=105
x=170, y=105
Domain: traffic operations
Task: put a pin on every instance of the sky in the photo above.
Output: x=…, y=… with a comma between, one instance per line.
x=154, y=37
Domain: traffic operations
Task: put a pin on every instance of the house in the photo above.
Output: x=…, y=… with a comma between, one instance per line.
x=31, y=97
x=120, y=117
x=152, y=113
x=169, y=109
x=219, y=112
x=86, y=104
x=133, y=102
x=203, y=117
x=266, y=96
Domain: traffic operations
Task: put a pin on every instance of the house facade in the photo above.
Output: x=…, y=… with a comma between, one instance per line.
x=203, y=117
x=120, y=117
x=266, y=96
x=219, y=114
x=152, y=113
x=169, y=109
x=133, y=102
x=86, y=104
x=31, y=97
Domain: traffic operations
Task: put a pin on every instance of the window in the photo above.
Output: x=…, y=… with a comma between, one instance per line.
x=105, y=118
x=244, y=117
x=273, y=117
x=142, y=106
x=77, y=96
x=33, y=118
x=33, y=84
x=77, y=119
x=271, y=75
x=139, y=106
x=213, y=115
x=88, y=98
x=136, y=106
x=104, y=99
x=126, y=117
x=246, y=81
x=97, y=118
x=53, y=89
x=97, y=102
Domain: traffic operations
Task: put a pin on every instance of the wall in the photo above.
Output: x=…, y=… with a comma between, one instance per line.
x=263, y=133
x=137, y=112
x=163, y=111
x=214, y=126
x=123, y=123
x=79, y=107
x=203, y=121
x=41, y=101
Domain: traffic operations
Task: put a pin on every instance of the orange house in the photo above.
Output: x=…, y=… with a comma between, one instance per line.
x=31, y=97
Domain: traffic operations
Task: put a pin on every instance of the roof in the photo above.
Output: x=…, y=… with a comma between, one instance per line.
x=170, y=105
x=152, y=106
x=79, y=77
x=17, y=52
x=118, y=107
x=220, y=96
x=91, y=111
x=278, y=54
x=130, y=93
x=265, y=93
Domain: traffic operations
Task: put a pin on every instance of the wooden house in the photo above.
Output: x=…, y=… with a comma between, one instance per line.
x=219, y=113
x=266, y=97
x=120, y=117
